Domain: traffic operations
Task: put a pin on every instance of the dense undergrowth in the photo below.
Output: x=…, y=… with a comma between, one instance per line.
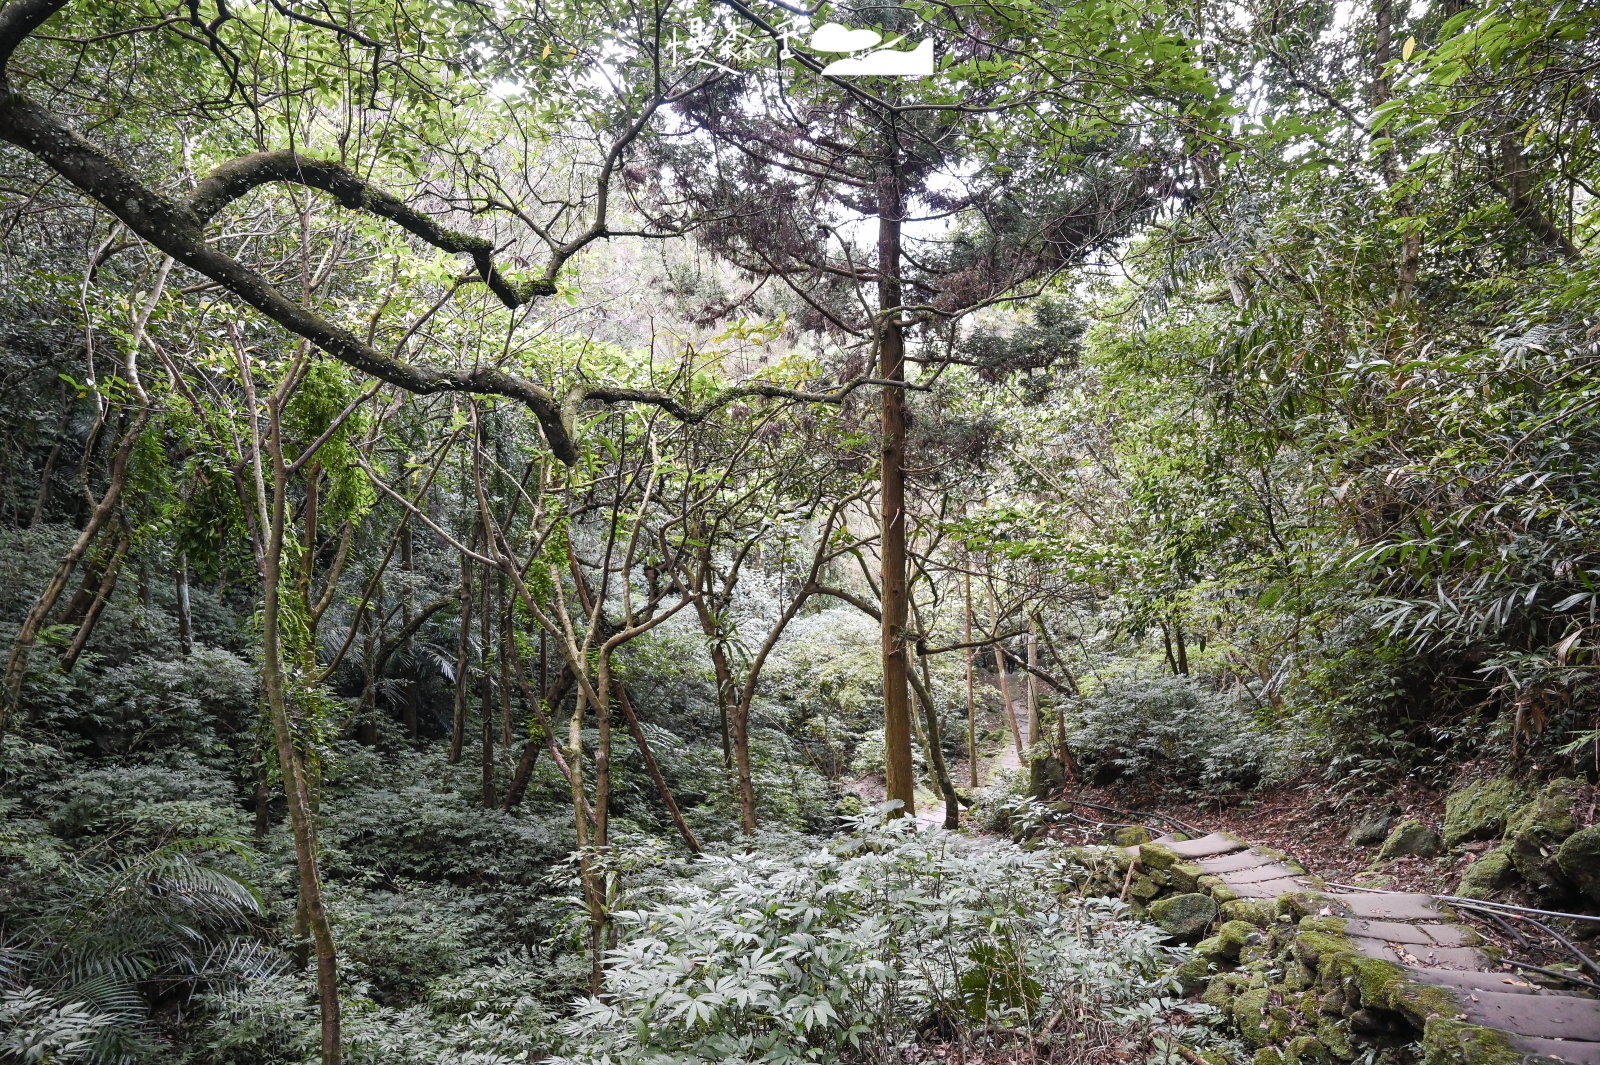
x=469, y=571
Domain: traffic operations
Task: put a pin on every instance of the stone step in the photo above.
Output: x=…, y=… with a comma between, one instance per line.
x=1537, y=1016
x=1233, y=863
x=1574, y=1053
x=1269, y=889
x=1428, y=935
x=1216, y=843
x=1391, y=906
x=1270, y=871
x=1417, y=956
x=1471, y=980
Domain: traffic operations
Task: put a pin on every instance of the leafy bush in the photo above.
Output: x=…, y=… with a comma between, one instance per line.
x=1170, y=730
x=850, y=951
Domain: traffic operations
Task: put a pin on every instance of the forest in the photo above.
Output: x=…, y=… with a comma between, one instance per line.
x=674, y=532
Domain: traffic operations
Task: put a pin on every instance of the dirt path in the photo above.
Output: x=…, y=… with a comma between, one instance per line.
x=930, y=805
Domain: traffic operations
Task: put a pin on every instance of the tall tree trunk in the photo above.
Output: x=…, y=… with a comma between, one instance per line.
x=408, y=708
x=653, y=769
x=1005, y=695
x=892, y=579
x=1182, y=648
x=486, y=691
x=717, y=648
x=17, y=662
x=102, y=596
x=553, y=697
x=50, y=466
x=740, y=723
x=289, y=763
x=94, y=573
x=1036, y=765
x=185, y=620
x=458, y=716
x=934, y=745
x=502, y=611
x=972, y=702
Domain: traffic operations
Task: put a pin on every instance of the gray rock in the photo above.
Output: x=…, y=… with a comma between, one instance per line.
x=1489, y=874
x=1535, y=832
x=1579, y=860
x=1479, y=810
x=1184, y=916
x=1370, y=832
x=1413, y=838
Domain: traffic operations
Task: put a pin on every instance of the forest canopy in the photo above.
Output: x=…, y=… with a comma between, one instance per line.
x=559, y=531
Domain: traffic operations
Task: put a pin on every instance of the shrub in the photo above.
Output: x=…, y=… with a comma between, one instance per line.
x=853, y=950
x=1170, y=730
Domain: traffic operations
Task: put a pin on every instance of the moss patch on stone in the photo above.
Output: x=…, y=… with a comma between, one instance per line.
x=1184, y=916
x=1489, y=875
x=1260, y=912
x=1447, y=1041
x=1158, y=856
x=1213, y=886
x=1192, y=974
x=1479, y=810
x=1411, y=838
x=1185, y=876
x=1536, y=831
x=1579, y=860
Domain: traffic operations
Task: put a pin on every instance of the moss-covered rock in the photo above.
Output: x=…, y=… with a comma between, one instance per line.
x=1193, y=974
x=1213, y=886
x=1184, y=916
x=1480, y=809
x=1491, y=873
x=1143, y=887
x=1447, y=1041
x=1298, y=904
x=1334, y=1036
x=1305, y=1050
x=1252, y=1017
x=1370, y=831
x=1267, y=1056
x=1158, y=856
x=1219, y=993
x=1260, y=912
x=1411, y=838
x=1536, y=831
x=1185, y=876
x=1579, y=860
x=1130, y=836
x=1231, y=938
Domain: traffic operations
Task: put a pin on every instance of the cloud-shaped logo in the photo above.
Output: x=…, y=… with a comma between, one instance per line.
x=833, y=37
x=886, y=62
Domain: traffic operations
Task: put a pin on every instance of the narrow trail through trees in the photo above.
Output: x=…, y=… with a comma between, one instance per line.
x=1447, y=984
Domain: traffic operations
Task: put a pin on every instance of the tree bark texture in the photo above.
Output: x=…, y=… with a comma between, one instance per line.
x=899, y=778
